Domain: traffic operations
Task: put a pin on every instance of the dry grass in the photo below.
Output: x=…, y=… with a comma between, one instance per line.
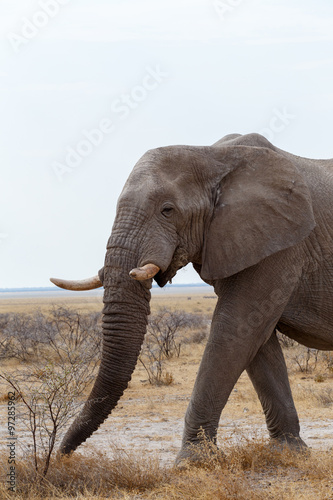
x=93, y=476
x=255, y=471
x=252, y=470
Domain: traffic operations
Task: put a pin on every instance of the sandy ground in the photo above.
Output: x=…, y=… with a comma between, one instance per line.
x=151, y=418
x=161, y=436
x=155, y=424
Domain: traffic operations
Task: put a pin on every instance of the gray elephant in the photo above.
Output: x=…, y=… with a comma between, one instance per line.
x=257, y=224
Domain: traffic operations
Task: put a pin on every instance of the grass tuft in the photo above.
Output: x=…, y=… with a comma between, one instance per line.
x=94, y=476
x=251, y=470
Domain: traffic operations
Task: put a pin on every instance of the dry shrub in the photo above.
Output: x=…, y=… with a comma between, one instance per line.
x=301, y=359
x=30, y=337
x=89, y=476
x=167, y=331
x=327, y=358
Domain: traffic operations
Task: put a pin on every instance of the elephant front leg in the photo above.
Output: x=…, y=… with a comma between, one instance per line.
x=227, y=354
x=268, y=373
x=246, y=314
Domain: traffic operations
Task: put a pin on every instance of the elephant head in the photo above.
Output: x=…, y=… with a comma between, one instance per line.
x=223, y=208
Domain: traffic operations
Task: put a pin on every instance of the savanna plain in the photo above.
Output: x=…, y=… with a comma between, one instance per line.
x=49, y=351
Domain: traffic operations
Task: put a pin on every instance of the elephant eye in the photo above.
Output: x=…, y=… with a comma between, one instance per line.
x=167, y=211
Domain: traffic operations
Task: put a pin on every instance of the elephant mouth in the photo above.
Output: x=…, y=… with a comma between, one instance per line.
x=179, y=260
x=163, y=278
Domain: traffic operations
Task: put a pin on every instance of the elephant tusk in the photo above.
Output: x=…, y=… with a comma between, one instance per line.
x=144, y=273
x=78, y=285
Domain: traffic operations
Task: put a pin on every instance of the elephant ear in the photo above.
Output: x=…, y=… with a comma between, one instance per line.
x=263, y=205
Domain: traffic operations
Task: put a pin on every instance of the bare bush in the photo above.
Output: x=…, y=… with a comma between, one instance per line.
x=4, y=318
x=327, y=357
x=67, y=348
x=49, y=399
x=66, y=333
x=6, y=347
x=165, y=327
x=152, y=359
x=166, y=332
x=306, y=359
x=21, y=336
x=49, y=395
x=78, y=337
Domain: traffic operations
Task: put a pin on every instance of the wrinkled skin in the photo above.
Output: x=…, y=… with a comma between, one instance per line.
x=257, y=224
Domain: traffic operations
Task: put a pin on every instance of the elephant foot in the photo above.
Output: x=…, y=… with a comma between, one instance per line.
x=294, y=443
x=199, y=454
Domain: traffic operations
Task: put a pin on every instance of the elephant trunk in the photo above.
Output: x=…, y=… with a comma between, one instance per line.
x=126, y=308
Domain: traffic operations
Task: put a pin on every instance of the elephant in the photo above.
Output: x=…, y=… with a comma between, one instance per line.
x=256, y=223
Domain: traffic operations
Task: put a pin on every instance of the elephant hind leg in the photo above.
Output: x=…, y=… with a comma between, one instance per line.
x=268, y=374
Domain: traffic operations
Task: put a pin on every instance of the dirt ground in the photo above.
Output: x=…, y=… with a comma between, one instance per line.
x=159, y=432
x=151, y=418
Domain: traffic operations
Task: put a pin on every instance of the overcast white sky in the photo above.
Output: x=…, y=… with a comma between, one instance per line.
x=195, y=70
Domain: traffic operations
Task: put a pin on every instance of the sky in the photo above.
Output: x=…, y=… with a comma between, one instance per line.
x=86, y=87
